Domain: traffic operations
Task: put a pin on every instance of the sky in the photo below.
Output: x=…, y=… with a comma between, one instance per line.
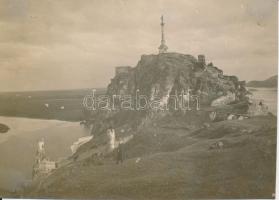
x=69, y=44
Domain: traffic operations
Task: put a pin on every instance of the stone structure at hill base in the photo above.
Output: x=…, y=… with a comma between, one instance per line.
x=43, y=165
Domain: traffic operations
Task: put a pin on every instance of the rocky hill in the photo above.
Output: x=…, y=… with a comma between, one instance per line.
x=170, y=73
x=169, y=153
x=159, y=78
x=269, y=83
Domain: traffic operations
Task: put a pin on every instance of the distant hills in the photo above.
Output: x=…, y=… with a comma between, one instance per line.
x=270, y=82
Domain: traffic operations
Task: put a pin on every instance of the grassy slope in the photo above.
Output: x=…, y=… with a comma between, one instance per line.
x=179, y=164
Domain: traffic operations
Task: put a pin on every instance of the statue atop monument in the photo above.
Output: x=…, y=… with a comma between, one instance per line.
x=163, y=47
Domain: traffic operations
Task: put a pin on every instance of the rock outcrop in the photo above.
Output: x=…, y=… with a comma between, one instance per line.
x=224, y=100
x=160, y=76
x=164, y=76
x=4, y=128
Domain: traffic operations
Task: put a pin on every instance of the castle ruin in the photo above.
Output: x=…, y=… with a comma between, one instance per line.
x=43, y=165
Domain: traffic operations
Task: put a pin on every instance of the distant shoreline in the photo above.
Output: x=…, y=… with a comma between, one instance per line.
x=63, y=105
x=39, y=118
x=266, y=88
x=47, y=119
x=262, y=87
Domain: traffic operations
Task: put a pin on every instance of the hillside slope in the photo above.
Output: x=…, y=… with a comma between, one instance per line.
x=178, y=164
x=269, y=83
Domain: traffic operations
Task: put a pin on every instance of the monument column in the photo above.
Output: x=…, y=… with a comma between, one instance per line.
x=163, y=47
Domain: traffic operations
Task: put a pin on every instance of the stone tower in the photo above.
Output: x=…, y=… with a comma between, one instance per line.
x=41, y=153
x=201, y=59
x=42, y=165
x=163, y=47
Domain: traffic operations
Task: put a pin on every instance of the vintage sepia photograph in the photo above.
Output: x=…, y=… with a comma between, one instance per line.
x=138, y=99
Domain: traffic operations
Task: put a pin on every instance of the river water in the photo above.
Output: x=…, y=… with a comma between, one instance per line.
x=268, y=95
x=18, y=146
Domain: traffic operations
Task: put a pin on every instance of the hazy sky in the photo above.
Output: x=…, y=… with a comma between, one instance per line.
x=64, y=44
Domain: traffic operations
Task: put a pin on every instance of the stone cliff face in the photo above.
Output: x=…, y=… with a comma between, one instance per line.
x=168, y=74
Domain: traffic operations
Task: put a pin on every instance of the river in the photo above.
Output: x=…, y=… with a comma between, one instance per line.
x=269, y=95
x=18, y=146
